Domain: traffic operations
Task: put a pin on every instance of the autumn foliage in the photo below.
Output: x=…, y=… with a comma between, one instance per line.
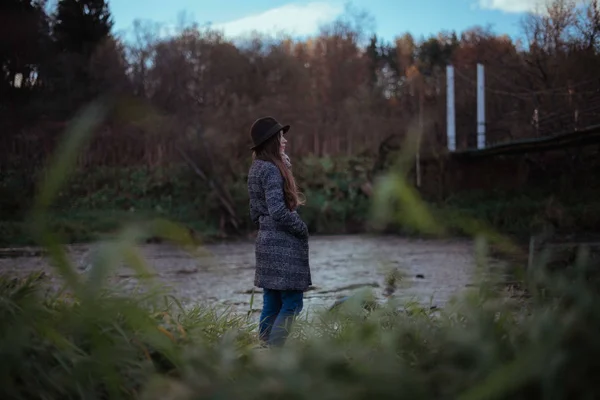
x=346, y=93
x=343, y=90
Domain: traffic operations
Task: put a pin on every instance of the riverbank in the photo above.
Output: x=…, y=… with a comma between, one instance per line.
x=97, y=203
x=516, y=218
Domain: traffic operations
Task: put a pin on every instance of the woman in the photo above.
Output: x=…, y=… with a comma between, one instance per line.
x=282, y=268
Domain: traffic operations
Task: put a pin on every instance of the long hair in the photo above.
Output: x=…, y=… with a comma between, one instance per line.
x=271, y=151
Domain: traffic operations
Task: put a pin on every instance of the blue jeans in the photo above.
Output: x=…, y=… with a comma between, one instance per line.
x=280, y=307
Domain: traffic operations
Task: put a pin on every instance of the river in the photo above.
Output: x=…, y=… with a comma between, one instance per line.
x=432, y=270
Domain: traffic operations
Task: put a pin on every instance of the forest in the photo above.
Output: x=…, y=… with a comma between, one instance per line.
x=351, y=97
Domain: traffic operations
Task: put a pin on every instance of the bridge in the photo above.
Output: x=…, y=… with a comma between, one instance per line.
x=582, y=137
x=575, y=124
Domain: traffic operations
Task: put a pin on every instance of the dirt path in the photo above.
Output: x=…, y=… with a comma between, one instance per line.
x=341, y=265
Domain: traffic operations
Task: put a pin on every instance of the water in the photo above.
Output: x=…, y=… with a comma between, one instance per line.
x=341, y=265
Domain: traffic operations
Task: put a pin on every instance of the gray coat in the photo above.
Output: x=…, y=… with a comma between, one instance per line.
x=282, y=241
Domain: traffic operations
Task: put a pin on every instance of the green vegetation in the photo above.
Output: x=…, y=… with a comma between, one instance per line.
x=97, y=202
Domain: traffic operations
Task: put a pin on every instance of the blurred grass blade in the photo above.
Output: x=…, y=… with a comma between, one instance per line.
x=503, y=381
x=473, y=227
x=110, y=254
x=63, y=161
x=172, y=232
x=61, y=166
x=124, y=247
x=395, y=201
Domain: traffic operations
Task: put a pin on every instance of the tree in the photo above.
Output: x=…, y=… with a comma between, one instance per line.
x=373, y=56
x=23, y=33
x=81, y=25
x=80, y=28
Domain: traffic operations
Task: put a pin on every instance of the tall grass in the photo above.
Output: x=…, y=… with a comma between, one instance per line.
x=483, y=345
x=93, y=341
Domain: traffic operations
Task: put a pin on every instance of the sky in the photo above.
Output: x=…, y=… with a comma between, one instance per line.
x=303, y=17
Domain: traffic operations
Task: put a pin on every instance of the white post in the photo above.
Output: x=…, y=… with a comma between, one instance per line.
x=450, y=123
x=418, y=155
x=480, y=108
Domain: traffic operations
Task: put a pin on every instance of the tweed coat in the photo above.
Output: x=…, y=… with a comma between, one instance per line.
x=282, y=240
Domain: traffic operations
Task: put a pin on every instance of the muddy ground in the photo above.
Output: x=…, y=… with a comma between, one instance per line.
x=341, y=265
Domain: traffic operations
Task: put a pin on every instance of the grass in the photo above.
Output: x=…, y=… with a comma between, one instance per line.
x=95, y=341
x=144, y=345
x=105, y=346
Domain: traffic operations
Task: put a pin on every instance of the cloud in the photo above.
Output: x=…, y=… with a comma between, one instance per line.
x=516, y=6
x=511, y=6
x=291, y=18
